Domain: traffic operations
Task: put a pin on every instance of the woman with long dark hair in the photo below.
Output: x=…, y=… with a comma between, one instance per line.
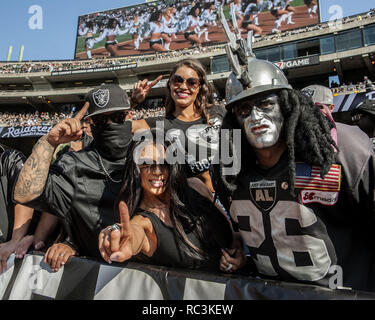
x=192, y=119
x=164, y=219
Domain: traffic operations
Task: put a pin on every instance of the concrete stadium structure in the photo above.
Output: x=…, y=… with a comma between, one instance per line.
x=345, y=48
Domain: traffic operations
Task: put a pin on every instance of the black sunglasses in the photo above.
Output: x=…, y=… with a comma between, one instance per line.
x=102, y=119
x=154, y=166
x=190, y=82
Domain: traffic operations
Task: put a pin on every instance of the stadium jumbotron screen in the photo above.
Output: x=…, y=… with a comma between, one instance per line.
x=176, y=24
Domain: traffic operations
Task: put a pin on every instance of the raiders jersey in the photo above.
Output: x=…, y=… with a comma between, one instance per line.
x=324, y=233
x=196, y=142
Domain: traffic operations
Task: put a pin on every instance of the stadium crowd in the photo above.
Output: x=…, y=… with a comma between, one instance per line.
x=363, y=86
x=160, y=201
x=28, y=67
x=12, y=119
x=265, y=185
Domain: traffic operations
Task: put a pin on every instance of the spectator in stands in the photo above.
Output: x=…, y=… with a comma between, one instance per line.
x=302, y=204
x=15, y=220
x=81, y=187
x=189, y=94
x=368, y=83
x=321, y=96
x=46, y=228
x=364, y=118
x=165, y=220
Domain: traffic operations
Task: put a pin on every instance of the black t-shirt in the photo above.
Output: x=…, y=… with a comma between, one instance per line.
x=11, y=162
x=216, y=235
x=196, y=141
x=326, y=230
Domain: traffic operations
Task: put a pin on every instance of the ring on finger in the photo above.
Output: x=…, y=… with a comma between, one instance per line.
x=229, y=267
x=61, y=255
x=114, y=227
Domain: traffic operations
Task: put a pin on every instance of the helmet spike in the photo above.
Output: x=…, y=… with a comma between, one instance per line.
x=250, y=75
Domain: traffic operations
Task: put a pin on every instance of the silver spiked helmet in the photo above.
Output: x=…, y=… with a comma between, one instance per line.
x=249, y=75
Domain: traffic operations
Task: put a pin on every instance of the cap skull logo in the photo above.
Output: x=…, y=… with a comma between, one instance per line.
x=308, y=92
x=101, y=97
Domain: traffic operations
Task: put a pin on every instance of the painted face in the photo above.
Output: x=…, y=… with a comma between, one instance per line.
x=261, y=118
x=184, y=86
x=155, y=170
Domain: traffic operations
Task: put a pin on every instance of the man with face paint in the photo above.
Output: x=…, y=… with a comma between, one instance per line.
x=303, y=205
x=81, y=187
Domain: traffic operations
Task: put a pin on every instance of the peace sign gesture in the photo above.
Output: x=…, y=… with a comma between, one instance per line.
x=67, y=130
x=141, y=89
x=121, y=241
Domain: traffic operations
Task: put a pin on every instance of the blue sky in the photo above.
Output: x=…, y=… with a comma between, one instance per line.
x=56, y=39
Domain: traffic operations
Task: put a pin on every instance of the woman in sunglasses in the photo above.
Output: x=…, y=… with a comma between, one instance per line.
x=164, y=220
x=192, y=120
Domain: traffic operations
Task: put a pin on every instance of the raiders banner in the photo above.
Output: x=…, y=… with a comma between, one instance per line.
x=90, y=70
x=20, y=132
x=31, y=279
x=350, y=102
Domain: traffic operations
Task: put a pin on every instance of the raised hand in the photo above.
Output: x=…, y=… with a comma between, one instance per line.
x=123, y=240
x=112, y=240
x=67, y=130
x=142, y=88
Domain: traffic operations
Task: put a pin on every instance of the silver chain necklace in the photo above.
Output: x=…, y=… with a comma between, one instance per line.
x=104, y=170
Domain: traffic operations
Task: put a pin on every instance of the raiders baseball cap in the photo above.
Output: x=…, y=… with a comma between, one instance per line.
x=319, y=94
x=367, y=107
x=107, y=98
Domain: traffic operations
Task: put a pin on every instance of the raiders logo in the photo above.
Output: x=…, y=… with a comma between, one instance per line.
x=263, y=193
x=308, y=92
x=101, y=97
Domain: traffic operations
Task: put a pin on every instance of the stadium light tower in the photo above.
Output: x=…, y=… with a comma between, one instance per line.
x=9, y=53
x=20, y=57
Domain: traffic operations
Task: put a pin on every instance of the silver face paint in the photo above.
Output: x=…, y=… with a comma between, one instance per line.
x=261, y=119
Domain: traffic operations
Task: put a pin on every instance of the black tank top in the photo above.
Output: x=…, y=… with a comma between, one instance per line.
x=216, y=231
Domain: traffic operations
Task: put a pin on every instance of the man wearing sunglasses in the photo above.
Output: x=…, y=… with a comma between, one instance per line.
x=81, y=187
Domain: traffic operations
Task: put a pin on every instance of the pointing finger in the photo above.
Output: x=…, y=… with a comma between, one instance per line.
x=79, y=116
x=124, y=217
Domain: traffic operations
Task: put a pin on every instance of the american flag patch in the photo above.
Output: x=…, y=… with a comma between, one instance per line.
x=308, y=177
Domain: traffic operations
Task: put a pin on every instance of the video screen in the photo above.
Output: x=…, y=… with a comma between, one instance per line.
x=172, y=25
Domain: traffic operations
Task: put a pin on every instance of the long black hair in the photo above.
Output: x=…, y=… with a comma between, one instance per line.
x=183, y=200
x=306, y=132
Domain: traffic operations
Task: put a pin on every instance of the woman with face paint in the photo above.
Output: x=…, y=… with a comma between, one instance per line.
x=164, y=219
